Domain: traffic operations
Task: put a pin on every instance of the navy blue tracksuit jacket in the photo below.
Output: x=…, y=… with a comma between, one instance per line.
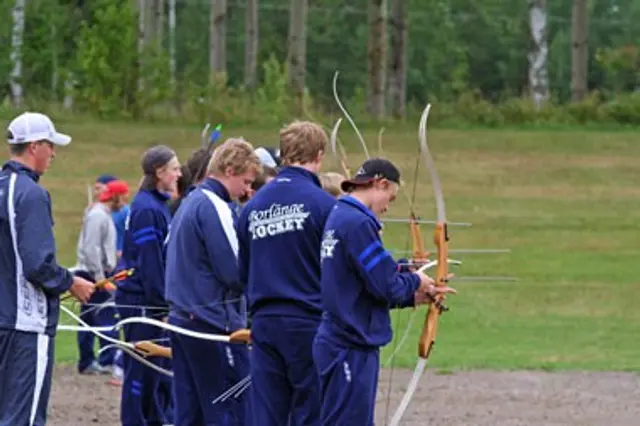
x=146, y=394
x=31, y=282
x=279, y=232
x=360, y=284
x=205, y=293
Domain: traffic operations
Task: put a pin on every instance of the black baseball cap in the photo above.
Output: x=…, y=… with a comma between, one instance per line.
x=375, y=168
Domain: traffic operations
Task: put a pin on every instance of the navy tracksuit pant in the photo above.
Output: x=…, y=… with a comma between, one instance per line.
x=146, y=393
x=285, y=386
x=96, y=316
x=203, y=370
x=26, y=362
x=349, y=382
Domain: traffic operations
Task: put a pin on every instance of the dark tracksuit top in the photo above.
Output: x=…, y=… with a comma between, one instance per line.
x=146, y=230
x=202, y=277
x=360, y=279
x=146, y=395
x=205, y=294
x=279, y=232
x=31, y=281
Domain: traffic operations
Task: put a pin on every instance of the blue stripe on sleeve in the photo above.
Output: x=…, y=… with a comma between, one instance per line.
x=146, y=230
x=369, y=250
x=373, y=262
x=145, y=238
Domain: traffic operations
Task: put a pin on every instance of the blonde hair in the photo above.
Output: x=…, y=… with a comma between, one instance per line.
x=234, y=153
x=331, y=183
x=301, y=142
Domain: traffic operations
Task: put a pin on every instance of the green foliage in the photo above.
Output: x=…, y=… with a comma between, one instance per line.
x=467, y=57
x=105, y=71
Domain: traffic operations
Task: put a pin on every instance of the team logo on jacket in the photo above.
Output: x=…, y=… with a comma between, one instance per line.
x=276, y=220
x=328, y=244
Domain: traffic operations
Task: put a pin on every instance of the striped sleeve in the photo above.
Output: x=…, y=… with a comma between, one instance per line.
x=148, y=236
x=378, y=269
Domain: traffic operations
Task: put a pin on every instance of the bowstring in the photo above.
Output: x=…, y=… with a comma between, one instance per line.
x=408, y=323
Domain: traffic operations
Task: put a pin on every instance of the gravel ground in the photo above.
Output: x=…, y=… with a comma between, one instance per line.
x=466, y=398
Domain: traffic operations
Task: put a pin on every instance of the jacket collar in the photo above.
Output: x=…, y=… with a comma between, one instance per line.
x=17, y=167
x=295, y=172
x=161, y=197
x=349, y=200
x=216, y=187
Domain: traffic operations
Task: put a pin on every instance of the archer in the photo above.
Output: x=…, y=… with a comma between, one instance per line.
x=360, y=284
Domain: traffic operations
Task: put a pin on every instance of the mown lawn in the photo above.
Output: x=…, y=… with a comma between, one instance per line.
x=565, y=202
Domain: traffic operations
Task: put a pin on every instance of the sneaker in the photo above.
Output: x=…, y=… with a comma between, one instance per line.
x=107, y=369
x=118, y=372
x=117, y=375
x=93, y=369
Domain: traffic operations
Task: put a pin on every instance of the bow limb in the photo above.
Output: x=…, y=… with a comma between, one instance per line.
x=441, y=238
x=129, y=348
x=239, y=336
x=335, y=143
x=87, y=327
x=346, y=114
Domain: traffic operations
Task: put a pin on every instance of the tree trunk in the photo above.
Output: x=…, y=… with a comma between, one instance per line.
x=398, y=65
x=579, y=35
x=172, y=41
x=297, y=56
x=160, y=21
x=54, y=63
x=218, y=43
x=376, y=58
x=17, y=39
x=539, y=53
x=150, y=22
x=142, y=28
x=251, y=45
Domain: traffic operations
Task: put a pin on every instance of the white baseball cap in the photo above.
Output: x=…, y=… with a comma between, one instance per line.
x=265, y=157
x=32, y=127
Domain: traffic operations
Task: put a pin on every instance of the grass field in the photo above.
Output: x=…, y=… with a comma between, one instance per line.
x=565, y=202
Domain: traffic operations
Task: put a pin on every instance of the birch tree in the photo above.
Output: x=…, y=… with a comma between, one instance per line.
x=17, y=40
x=539, y=53
x=297, y=56
x=172, y=41
x=398, y=64
x=376, y=58
x=251, y=45
x=579, y=49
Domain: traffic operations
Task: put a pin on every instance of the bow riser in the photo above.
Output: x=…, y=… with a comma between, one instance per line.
x=430, y=328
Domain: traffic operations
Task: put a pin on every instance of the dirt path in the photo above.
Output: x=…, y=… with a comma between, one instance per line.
x=467, y=398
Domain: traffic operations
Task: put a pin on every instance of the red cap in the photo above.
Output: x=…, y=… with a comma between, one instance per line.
x=115, y=187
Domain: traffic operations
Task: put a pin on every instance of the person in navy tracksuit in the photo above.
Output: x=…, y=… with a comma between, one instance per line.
x=146, y=394
x=360, y=284
x=204, y=291
x=31, y=281
x=279, y=232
